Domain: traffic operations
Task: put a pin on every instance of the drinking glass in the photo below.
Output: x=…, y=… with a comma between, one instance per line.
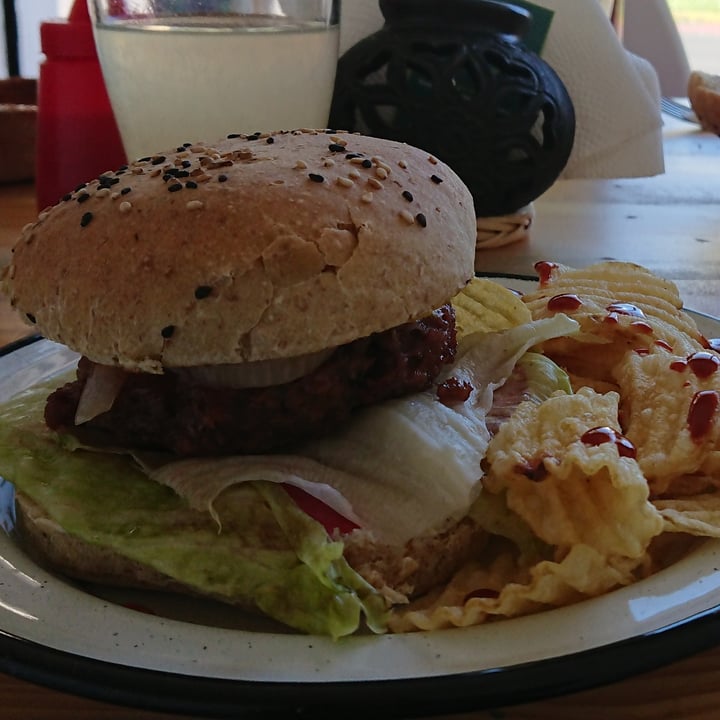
x=183, y=71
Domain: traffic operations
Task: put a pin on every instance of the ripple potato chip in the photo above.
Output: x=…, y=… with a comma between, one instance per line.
x=483, y=305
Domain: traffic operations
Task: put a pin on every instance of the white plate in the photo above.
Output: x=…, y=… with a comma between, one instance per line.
x=201, y=658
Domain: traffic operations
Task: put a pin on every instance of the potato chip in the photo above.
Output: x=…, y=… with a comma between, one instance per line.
x=669, y=409
x=699, y=515
x=469, y=598
x=620, y=307
x=572, y=488
x=483, y=305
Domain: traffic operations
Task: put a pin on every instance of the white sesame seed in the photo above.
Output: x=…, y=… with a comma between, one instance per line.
x=345, y=182
x=402, y=164
x=367, y=197
x=27, y=227
x=103, y=192
x=357, y=160
x=407, y=216
x=11, y=272
x=125, y=206
x=338, y=140
x=195, y=205
x=155, y=172
x=43, y=216
x=203, y=178
x=301, y=165
x=381, y=172
x=354, y=174
x=196, y=148
x=329, y=162
x=433, y=160
x=137, y=170
x=115, y=195
x=375, y=183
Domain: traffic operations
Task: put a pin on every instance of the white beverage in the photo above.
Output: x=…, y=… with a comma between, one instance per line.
x=175, y=83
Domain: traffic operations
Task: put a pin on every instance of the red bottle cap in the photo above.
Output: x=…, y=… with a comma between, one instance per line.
x=70, y=38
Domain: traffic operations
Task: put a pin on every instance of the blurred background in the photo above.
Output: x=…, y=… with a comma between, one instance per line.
x=698, y=24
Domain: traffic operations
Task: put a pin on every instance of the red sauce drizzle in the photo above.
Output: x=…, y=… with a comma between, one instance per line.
x=703, y=363
x=535, y=472
x=454, y=391
x=642, y=351
x=601, y=435
x=565, y=302
x=664, y=345
x=330, y=519
x=678, y=365
x=642, y=327
x=702, y=413
x=626, y=309
x=544, y=269
x=612, y=318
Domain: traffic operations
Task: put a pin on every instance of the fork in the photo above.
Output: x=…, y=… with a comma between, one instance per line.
x=677, y=110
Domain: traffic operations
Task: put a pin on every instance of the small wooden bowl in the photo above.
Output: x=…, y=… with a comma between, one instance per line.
x=18, y=129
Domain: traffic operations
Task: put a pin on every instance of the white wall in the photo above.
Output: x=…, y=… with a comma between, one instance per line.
x=30, y=13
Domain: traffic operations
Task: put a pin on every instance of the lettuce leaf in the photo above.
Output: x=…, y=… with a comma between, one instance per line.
x=268, y=553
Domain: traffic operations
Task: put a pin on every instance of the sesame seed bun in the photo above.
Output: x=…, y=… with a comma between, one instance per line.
x=255, y=247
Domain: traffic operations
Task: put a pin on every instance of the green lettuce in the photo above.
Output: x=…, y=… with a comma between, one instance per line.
x=264, y=551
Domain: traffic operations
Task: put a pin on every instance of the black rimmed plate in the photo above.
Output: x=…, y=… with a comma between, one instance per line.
x=179, y=655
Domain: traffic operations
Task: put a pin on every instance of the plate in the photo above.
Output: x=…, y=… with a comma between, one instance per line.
x=178, y=655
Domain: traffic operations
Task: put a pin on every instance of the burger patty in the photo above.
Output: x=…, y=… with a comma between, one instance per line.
x=169, y=412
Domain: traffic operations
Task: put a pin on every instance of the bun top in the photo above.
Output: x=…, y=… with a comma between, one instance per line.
x=255, y=247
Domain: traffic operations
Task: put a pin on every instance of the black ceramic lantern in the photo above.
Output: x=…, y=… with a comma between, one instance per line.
x=454, y=78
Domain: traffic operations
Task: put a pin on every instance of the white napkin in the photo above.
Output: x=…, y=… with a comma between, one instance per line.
x=616, y=95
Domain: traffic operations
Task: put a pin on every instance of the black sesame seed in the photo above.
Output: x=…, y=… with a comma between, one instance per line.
x=82, y=197
x=421, y=220
x=106, y=181
x=125, y=190
x=187, y=145
x=232, y=136
x=86, y=219
x=121, y=169
x=31, y=318
x=336, y=147
x=168, y=331
x=437, y=180
x=80, y=187
x=350, y=156
x=67, y=196
x=158, y=160
x=179, y=148
x=407, y=195
x=222, y=178
x=144, y=159
x=191, y=184
x=270, y=140
x=175, y=187
x=316, y=178
x=203, y=291
x=367, y=163
x=186, y=163
x=182, y=174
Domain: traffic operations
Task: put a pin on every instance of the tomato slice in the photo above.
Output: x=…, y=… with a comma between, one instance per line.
x=330, y=519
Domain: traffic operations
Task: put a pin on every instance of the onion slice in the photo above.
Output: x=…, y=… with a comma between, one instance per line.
x=261, y=373
x=98, y=395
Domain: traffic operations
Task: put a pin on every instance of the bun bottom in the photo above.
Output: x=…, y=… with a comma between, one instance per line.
x=398, y=573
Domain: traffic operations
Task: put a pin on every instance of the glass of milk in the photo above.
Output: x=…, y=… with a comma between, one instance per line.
x=182, y=71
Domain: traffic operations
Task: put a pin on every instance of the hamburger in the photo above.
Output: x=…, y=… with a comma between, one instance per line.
x=262, y=327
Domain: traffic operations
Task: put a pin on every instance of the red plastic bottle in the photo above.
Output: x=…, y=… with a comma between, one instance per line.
x=77, y=137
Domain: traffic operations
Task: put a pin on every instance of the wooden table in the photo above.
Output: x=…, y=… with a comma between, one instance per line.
x=669, y=223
